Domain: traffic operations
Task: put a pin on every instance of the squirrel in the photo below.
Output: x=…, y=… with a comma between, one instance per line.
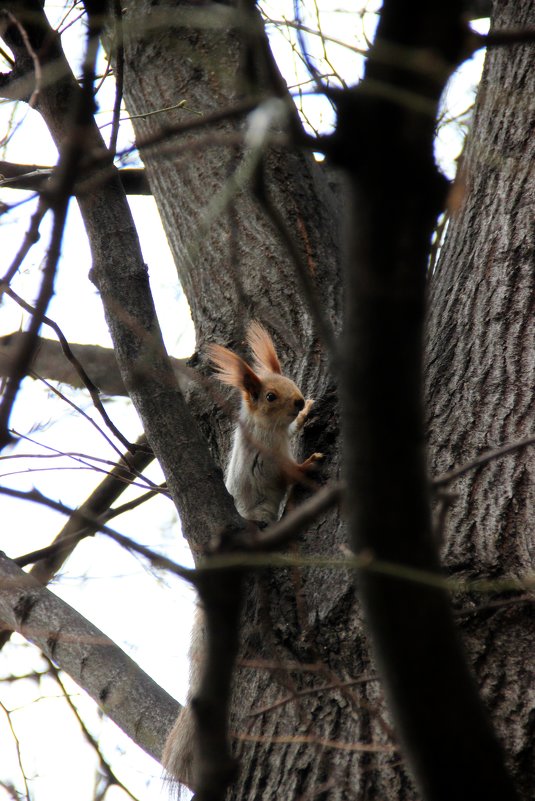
x=260, y=472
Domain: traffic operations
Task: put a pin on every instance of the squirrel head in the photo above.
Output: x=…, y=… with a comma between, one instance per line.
x=270, y=398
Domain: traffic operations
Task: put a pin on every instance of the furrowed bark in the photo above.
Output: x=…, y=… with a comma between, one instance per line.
x=480, y=375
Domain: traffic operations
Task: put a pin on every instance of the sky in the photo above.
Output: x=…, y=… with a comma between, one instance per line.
x=148, y=614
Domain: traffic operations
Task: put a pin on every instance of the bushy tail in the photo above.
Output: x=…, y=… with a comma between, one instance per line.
x=178, y=754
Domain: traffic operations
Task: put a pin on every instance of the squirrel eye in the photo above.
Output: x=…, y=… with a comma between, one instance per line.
x=270, y=396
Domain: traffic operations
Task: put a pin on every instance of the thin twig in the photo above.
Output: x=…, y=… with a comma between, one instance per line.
x=308, y=739
x=288, y=699
x=87, y=459
x=28, y=345
x=17, y=747
x=98, y=506
x=119, y=76
x=299, y=25
x=32, y=102
x=59, y=195
x=482, y=459
x=157, y=560
x=104, y=766
x=30, y=238
x=279, y=534
x=87, y=382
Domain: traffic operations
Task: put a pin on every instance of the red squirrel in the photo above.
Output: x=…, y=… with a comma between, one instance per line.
x=260, y=471
x=261, y=467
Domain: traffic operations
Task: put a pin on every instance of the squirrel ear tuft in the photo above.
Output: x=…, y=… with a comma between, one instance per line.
x=234, y=371
x=263, y=349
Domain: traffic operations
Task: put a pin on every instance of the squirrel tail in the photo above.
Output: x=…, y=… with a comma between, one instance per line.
x=178, y=756
x=179, y=753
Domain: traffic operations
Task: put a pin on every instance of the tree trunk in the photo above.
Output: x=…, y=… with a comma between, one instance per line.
x=480, y=378
x=235, y=269
x=302, y=629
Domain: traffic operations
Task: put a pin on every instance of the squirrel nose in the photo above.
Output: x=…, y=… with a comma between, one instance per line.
x=299, y=404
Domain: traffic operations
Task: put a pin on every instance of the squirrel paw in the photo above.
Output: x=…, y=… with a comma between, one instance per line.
x=311, y=462
x=303, y=414
x=308, y=406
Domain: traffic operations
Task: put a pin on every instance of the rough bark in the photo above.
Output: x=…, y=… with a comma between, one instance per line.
x=480, y=377
x=241, y=268
x=292, y=618
x=305, y=616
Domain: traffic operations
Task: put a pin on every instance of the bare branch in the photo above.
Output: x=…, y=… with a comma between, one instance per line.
x=30, y=238
x=145, y=712
x=119, y=75
x=69, y=355
x=17, y=746
x=503, y=38
x=32, y=102
x=482, y=459
x=310, y=738
x=104, y=765
x=72, y=152
x=96, y=507
x=283, y=532
x=92, y=524
x=35, y=177
x=50, y=363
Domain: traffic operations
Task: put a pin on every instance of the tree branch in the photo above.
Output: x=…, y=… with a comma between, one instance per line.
x=99, y=362
x=123, y=691
x=121, y=276
x=483, y=459
x=72, y=147
x=76, y=364
x=384, y=141
x=35, y=177
x=97, y=505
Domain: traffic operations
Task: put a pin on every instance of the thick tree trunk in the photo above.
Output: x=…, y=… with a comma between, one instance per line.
x=302, y=628
x=232, y=270
x=480, y=378
x=234, y=265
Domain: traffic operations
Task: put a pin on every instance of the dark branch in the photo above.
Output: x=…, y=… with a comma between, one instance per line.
x=483, y=459
x=35, y=178
x=96, y=507
x=72, y=151
x=384, y=141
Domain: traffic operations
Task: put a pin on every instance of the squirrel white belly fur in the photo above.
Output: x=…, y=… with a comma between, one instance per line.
x=259, y=474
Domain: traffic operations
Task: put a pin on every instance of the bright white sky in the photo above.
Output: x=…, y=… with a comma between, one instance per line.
x=148, y=615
